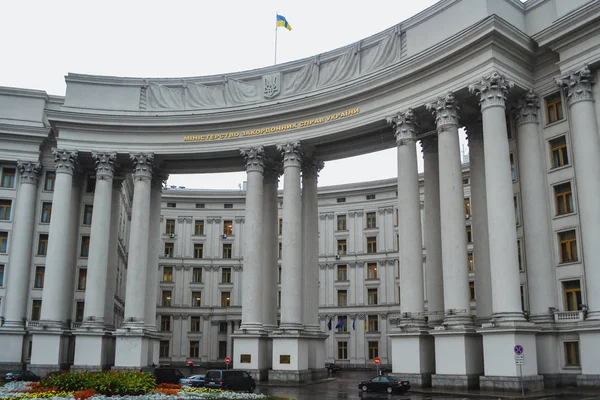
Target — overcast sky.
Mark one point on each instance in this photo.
(42, 41)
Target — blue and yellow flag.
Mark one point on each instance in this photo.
(281, 21)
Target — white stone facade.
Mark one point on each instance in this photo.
(407, 269)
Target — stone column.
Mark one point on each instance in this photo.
(536, 217)
(454, 240)
(111, 281)
(270, 243)
(433, 237)
(586, 151)
(504, 265)
(291, 259)
(253, 247)
(481, 247)
(17, 278)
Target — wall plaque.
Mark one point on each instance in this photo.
(245, 358)
(284, 359)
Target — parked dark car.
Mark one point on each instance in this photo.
(164, 374)
(26, 376)
(229, 379)
(193, 381)
(389, 384)
(331, 367)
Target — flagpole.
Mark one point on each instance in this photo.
(276, 38)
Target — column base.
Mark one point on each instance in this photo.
(588, 381)
(290, 357)
(290, 377)
(458, 358)
(417, 380)
(454, 381)
(316, 351)
(94, 350)
(252, 352)
(531, 383)
(50, 351)
(413, 355)
(13, 347)
(131, 349)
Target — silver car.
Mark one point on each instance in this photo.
(193, 381)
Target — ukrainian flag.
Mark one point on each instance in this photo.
(281, 21)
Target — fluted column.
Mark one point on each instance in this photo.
(97, 269)
(409, 220)
(270, 244)
(253, 247)
(310, 231)
(586, 154)
(291, 259)
(537, 228)
(433, 236)
(58, 258)
(137, 262)
(454, 240)
(504, 266)
(481, 244)
(17, 283)
(111, 281)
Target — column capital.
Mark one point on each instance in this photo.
(405, 127)
(445, 110)
(474, 130)
(527, 109)
(292, 154)
(491, 90)
(254, 158)
(429, 145)
(105, 164)
(273, 170)
(142, 165)
(65, 160)
(29, 171)
(311, 167)
(159, 179)
(577, 85)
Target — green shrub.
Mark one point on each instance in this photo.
(107, 383)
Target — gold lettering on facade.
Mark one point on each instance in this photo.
(271, 129)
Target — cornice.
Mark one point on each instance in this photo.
(31, 93)
(37, 130)
(427, 13)
(568, 24)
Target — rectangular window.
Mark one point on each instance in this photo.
(342, 297)
(87, 214)
(373, 323)
(46, 212)
(226, 250)
(170, 227)
(572, 295)
(40, 273)
(470, 262)
(79, 309)
(465, 181)
(36, 310)
(373, 350)
(169, 249)
(341, 222)
(563, 198)
(513, 167)
(340, 200)
(371, 270)
(222, 327)
(279, 250)
(171, 205)
(554, 110)
(341, 247)
(222, 349)
(199, 227)
(85, 246)
(342, 350)
(558, 152)
(342, 324)
(278, 301)
(278, 274)
(519, 256)
(42, 244)
(5, 208)
(572, 354)
(342, 272)
(197, 275)
(3, 242)
(469, 234)
(372, 244)
(195, 324)
(522, 289)
(198, 250)
(194, 349)
(280, 226)
(568, 246)
(8, 177)
(1, 274)
(164, 349)
(371, 220)
(225, 299)
(196, 299)
(516, 206)
(467, 204)
(227, 205)
(165, 323)
(370, 197)
(225, 275)
(82, 279)
(228, 227)
(200, 205)
(372, 296)
(472, 290)
(166, 298)
(49, 181)
(167, 274)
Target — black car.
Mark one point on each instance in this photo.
(229, 379)
(26, 376)
(331, 367)
(164, 374)
(387, 384)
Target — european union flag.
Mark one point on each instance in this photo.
(281, 21)
(354, 324)
(329, 324)
(340, 323)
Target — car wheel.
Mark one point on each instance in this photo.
(390, 390)
(364, 388)
(251, 389)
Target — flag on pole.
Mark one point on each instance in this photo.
(329, 324)
(354, 324)
(281, 21)
(340, 323)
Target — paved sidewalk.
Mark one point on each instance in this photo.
(541, 394)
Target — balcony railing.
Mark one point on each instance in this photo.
(568, 316)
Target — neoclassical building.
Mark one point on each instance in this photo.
(464, 276)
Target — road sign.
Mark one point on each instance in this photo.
(377, 361)
(227, 360)
(518, 349)
(519, 359)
